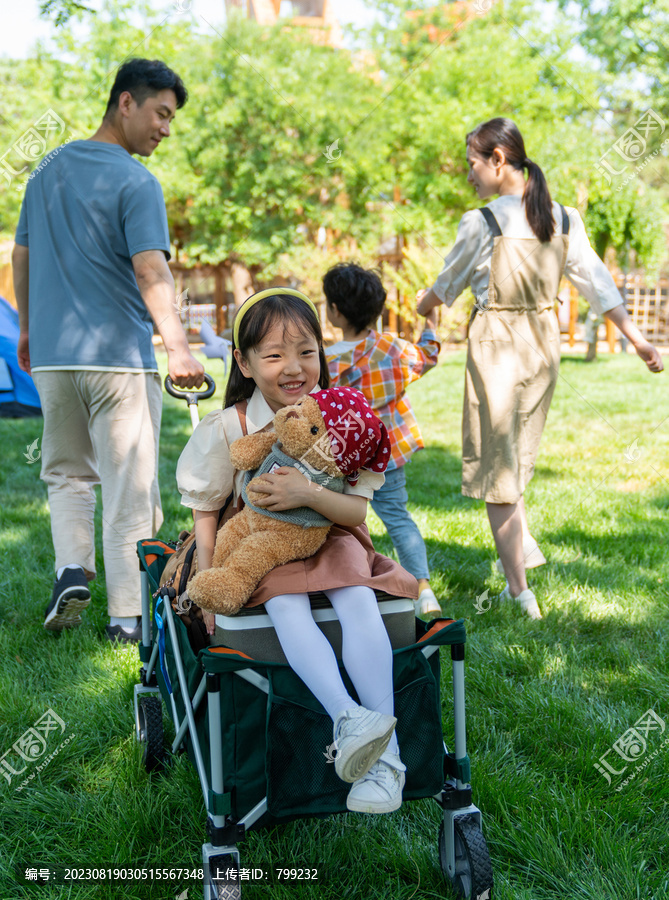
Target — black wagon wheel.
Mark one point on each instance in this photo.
(217, 886)
(473, 870)
(150, 726)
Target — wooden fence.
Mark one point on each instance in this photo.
(648, 306)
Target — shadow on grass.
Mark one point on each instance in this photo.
(434, 478)
(621, 567)
(582, 360)
(545, 472)
(633, 547)
(463, 566)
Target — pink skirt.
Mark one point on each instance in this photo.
(347, 558)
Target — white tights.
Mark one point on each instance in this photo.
(366, 650)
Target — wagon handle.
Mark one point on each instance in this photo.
(191, 396)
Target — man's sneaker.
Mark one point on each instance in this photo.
(360, 736)
(427, 604)
(118, 635)
(532, 556)
(380, 790)
(70, 596)
(526, 600)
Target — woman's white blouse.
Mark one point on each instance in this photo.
(205, 475)
(468, 263)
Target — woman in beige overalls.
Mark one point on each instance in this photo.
(513, 253)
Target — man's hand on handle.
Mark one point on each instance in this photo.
(184, 370)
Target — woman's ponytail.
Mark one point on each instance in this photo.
(504, 133)
(538, 203)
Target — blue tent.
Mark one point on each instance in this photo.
(18, 394)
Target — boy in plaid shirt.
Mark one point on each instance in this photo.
(382, 366)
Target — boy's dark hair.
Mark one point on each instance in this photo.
(282, 309)
(358, 293)
(145, 78)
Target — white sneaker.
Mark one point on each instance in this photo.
(427, 604)
(360, 737)
(531, 553)
(526, 600)
(380, 790)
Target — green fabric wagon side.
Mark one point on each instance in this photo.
(279, 744)
(263, 746)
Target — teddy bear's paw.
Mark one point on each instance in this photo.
(256, 497)
(254, 489)
(205, 589)
(198, 590)
(259, 484)
(213, 591)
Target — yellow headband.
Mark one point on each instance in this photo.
(268, 292)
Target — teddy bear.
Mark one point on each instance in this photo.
(328, 436)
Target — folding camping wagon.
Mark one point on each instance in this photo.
(252, 739)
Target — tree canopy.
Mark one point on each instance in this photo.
(284, 141)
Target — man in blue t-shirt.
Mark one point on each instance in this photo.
(91, 278)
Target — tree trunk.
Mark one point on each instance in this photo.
(242, 283)
(219, 298)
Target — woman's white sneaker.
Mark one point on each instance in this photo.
(532, 556)
(526, 600)
(380, 790)
(360, 737)
(528, 604)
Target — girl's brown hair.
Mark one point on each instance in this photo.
(504, 133)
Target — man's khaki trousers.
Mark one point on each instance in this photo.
(102, 428)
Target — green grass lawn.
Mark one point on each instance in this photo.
(545, 699)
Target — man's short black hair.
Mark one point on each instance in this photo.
(145, 78)
(357, 293)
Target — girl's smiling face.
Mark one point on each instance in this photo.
(285, 365)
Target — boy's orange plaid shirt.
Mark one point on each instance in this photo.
(382, 366)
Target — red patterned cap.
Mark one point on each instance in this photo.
(358, 438)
